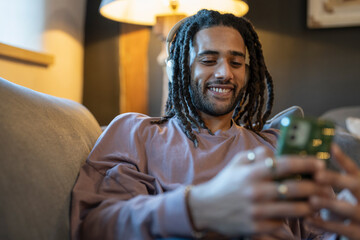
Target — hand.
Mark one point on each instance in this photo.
(344, 215)
(243, 198)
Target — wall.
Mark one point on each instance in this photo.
(155, 77)
(60, 32)
(115, 71)
(315, 69)
(101, 65)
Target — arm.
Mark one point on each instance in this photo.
(121, 205)
(115, 198)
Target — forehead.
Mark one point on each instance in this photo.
(219, 38)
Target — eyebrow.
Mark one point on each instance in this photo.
(236, 53)
(208, 52)
(212, 52)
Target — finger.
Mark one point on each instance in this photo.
(306, 188)
(343, 209)
(271, 210)
(344, 161)
(340, 181)
(290, 189)
(350, 230)
(286, 166)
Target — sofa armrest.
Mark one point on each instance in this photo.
(44, 140)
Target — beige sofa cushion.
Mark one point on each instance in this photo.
(43, 142)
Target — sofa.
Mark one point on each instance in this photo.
(44, 140)
(348, 139)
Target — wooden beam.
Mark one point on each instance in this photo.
(25, 55)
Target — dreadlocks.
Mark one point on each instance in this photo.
(249, 110)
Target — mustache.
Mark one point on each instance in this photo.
(220, 82)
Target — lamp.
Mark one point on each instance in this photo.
(162, 14)
(144, 12)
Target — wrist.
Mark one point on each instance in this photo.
(198, 231)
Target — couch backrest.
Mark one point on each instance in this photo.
(43, 142)
(340, 114)
(349, 143)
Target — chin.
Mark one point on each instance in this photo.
(219, 112)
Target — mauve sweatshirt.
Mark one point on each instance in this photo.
(132, 184)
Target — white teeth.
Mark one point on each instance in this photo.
(220, 90)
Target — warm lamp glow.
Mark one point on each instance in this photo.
(144, 12)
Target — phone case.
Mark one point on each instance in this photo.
(306, 136)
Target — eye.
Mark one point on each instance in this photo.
(236, 64)
(236, 61)
(208, 62)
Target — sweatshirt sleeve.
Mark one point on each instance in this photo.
(114, 199)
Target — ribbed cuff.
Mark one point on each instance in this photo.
(176, 220)
(196, 233)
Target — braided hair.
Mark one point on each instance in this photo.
(250, 111)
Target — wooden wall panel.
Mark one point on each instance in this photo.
(134, 41)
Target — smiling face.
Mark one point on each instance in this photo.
(217, 61)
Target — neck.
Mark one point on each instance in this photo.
(215, 123)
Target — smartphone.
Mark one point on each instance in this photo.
(306, 136)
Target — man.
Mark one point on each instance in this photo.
(206, 169)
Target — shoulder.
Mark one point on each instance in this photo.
(126, 135)
(130, 121)
(141, 126)
(271, 132)
(132, 118)
(271, 135)
(126, 126)
(267, 137)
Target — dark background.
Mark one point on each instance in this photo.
(317, 69)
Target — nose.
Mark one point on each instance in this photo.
(224, 71)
